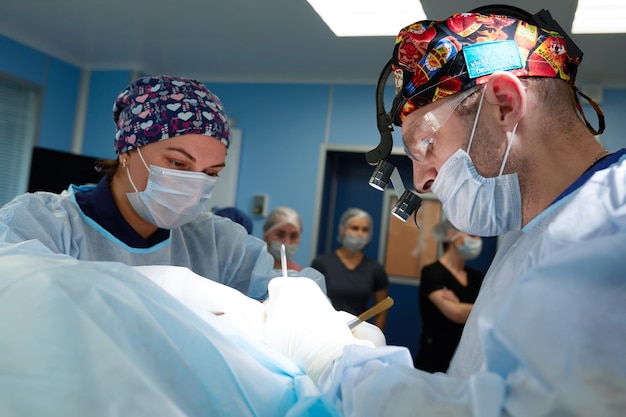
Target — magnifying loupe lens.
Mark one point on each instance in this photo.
(408, 204)
(382, 174)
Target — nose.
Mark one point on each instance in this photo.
(423, 176)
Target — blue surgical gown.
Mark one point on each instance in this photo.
(211, 246)
(591, 210)
(546, 336)
(100, 339)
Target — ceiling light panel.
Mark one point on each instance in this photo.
(600, 16)
(368, 17)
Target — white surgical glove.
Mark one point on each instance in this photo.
(303, 325)
(205, 296)
(365, 330)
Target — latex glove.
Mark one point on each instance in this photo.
(303, 325)
(205, 296)
(365, 330)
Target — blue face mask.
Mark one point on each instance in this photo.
(471, 248)
(475, 204)
(354, 243)
(172, 197)
(274, 249)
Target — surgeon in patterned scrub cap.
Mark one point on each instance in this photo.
(490, 120)
(172, 179)
(150, 208)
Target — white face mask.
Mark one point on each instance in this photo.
(274, 249)
(471, 248)
(354, 243)
(172, 197)
(475, 204)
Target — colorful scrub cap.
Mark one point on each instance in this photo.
(156, 108)
(433, 59)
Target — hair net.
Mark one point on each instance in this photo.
(156, 108)
(350, 214)
(441, 229)
(280, 216)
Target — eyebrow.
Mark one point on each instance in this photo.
(191, 157)
(184, 152)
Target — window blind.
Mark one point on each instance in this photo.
(19, 104)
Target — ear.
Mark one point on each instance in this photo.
(123, 159)
(506, 91)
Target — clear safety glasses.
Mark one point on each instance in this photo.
(420, 134)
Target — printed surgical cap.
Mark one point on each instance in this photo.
(433, 59)
(157, 108)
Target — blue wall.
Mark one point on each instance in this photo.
(284, 127)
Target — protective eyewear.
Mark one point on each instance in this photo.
(420, 134)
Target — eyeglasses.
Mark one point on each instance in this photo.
(420, 133)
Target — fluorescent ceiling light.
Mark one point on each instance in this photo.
(368, 17)
(600, 16)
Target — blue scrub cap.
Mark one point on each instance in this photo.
(156, 108)
(237, 216)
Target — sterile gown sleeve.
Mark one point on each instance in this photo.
(553, 347)
(211, 246)
(12, 233)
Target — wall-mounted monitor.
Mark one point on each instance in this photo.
(54, 171)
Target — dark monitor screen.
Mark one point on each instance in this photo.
(55, 170)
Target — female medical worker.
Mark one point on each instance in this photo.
(150, 207)
(283, 226)
(352, 278)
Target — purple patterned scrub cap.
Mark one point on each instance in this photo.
(157, 108)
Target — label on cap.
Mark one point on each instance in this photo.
(488, 57)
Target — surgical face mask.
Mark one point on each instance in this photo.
(474, 204)
(354, 243)
(172, 197)
(274, 249)
(471, 247)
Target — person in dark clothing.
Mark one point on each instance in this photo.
(351, 277)
(448, 289)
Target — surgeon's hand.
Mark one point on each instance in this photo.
(365, 330)
(206, 296)
(303, 325)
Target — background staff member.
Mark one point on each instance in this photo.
(447, 292)
(283, 226)
(352, 279)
